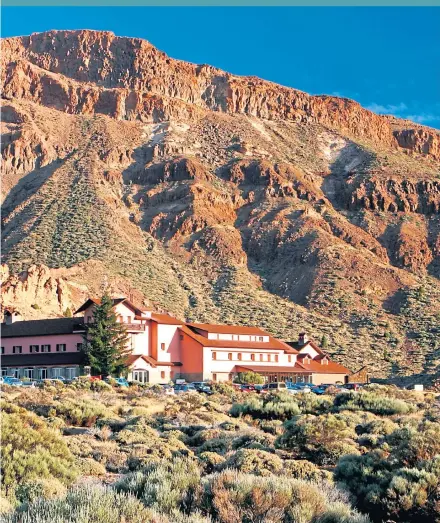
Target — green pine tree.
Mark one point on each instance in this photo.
(106, 340)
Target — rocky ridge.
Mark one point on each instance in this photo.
(220, 198)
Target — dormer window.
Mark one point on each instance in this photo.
(260, 338)
(252, 357)
(239, 356)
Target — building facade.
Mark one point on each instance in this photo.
(162, 349)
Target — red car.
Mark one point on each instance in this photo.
(247, 388)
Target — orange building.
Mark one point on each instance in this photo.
(163, 348)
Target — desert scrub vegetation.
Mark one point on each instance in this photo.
(136, 455)
(31, 451)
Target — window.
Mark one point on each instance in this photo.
(61, 347)
(45, 348)
(289, 358)
(33, 348)
(230, 356)
(239, 356)
(89, 319)
(79, 346)
(162, 374)
(162, 346)
(3, 350)
(261, 357)
(29, 373)
(269, 357)
(253, 357)
(214, 377)
(276, 357)
(181, 337)
(260, 338)
(214, 355)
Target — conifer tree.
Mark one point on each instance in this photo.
(105, 340)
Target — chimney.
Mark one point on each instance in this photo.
(11, 317)
(302, 338)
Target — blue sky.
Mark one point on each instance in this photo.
(385, 58)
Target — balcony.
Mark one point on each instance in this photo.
(134, 327)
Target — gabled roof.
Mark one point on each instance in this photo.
(154, 363)
(42, 327)
(299, 346)
(273, 343)
(116, 301)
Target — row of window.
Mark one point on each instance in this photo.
(253, 357)
(236, 337)
(60, 347)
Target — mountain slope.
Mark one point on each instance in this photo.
(222, 198)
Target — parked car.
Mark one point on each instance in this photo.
(202, 386)
(299, 387)
(320, 389)
(183, 388)
(168, 390)
(30, 383)
(119, 382)
(247, 388)
(353, 386)
(13, 382)
(273, 387)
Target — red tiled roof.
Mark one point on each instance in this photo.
(273, 343)
(228, 329)
(165, 318)
(148, 359)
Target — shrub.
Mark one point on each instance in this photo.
(90, 467)
(372, 403)
(86, 504)
(387, 491)
(323, 439)
(259, 462)
(47, 488)
(30, 450)
(231, 497)
(211, 461)
(81, 412)
(101, 386)
(305, 470)
(166, 486)
(255, 439)
(276, 406)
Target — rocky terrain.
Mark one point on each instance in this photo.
(218, 198)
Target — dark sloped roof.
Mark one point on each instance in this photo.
(45, 358)
(42, 327)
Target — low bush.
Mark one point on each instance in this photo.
(211, 461)
(276, 406)
(87, 504)
(166, 486)
(368, 401)
(47, 488)
(231, 497)
(257, 461)
(90, 467)
(30, 450)
(305, 470)
(81, 412)
(322, 439)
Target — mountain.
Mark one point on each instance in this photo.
(218, 198)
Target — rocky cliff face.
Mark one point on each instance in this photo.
(218, 198)
(96, 72)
